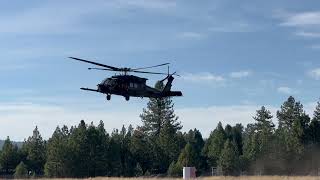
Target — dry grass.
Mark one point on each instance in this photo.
(213, 178)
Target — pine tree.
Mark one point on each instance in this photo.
(57, 155)
(21, 171)
(237, 132)
(141, 149)
(168, 148)
(214, 145)
(9, 156)
(79, 146)
(229, 160)
(138, 172)
(159, 110)
(315, 126)
(127, 160)
(316, 114)
(188, 157)
(259, 142)
(97, 150)
(194, 138)
(161, 126)
(251, 148)
(102, 155)
(115, 166)
(36, 152)
(175, 169)
(292, 132)
(265, 129)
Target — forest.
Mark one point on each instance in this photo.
(158, 148)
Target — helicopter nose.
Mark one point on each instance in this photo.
(99, 87)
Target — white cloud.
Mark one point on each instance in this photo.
(190, 35)
(308, 34)
(240, 74)
(302, 19)
(306, 24)
(147, 4)
(57, 18)
(315, 46)
(315, 73)
(202, 77)
(232, 27)
(286, 90)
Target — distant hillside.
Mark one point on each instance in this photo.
(17, 143)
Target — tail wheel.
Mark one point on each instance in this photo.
(108, 97)
(127, 98)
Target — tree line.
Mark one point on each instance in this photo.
(159, 148)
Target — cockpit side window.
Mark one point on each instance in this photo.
(105, 82)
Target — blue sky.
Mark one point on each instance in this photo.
(234, 56)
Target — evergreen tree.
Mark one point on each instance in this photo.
(229, 160)
(251, 148)
(292, 131)
(175, 169)
(159, 110)
(214, 145)
(36, 152)
(169, 149)
(315, 126)
(102, 155)
(9, 158)
(57, 154)
(188, 157)
(97, 150)
(79, 146)
(259, 142)
(141, 149)
(161, 126)
(236, 137)
(138, 172)
(127, 160)
(265, 130)
(115, 166)
(194, 138)
(21, 171)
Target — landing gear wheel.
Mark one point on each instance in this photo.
(108, 97)
(127, 98)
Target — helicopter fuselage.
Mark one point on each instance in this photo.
(131, 86)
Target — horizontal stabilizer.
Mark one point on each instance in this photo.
(87, 89)
(172, 93)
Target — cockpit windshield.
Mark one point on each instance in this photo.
(109, 82)
(105, 81)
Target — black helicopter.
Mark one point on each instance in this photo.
(131, 86)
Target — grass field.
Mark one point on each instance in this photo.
(214, 178)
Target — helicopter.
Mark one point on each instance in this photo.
(129, 85)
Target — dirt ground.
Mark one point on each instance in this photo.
(213, 178)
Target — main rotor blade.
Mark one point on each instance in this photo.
(146, 72)
(95, 63)
(151, 66)
(103, 69)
